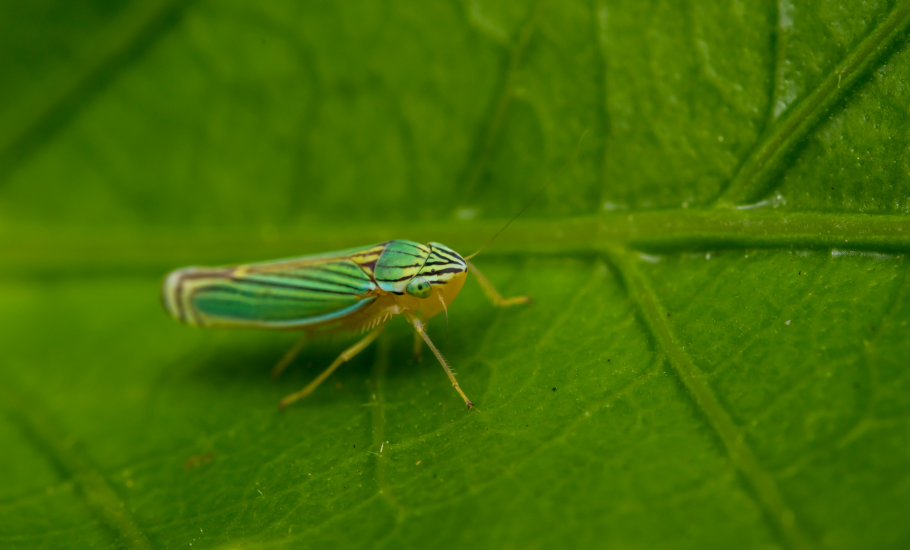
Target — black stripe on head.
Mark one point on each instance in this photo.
(448, 256)
(449, 270)
(444, 272)
(445, 262)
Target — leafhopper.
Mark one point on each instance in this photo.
(356, 290)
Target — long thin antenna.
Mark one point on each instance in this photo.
(535, 197)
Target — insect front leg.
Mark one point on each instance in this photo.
(346, 355)
(289, 356)
(494, 294)
(421, 330)
(418, 346)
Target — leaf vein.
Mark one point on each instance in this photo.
(95, 490)
(138, 26)
(766, 159)
(765, 489)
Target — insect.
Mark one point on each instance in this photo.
(350, 290)
(346, 291)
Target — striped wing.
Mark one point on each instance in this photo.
(282, 294)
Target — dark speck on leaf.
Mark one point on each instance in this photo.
(554, 388)
(198, 460)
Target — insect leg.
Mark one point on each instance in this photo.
(289, 356)
(418, 345)
(346, 355)
(419, 327)
(494, 294)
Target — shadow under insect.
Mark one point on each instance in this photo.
(242, 361)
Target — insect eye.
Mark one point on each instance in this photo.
(419, 288)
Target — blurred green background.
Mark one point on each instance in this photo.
(717, 353)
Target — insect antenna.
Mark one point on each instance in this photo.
(536, 196)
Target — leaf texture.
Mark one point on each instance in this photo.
(717, 350)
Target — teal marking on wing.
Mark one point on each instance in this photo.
(232, 309)
(266, 295)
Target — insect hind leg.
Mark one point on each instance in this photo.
(346, 355)
(289, 357)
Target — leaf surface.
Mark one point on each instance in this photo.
(717, 349)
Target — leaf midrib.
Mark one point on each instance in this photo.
(665, 231)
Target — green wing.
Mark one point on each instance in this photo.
(282, 294)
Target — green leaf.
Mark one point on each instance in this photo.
(717, 351)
